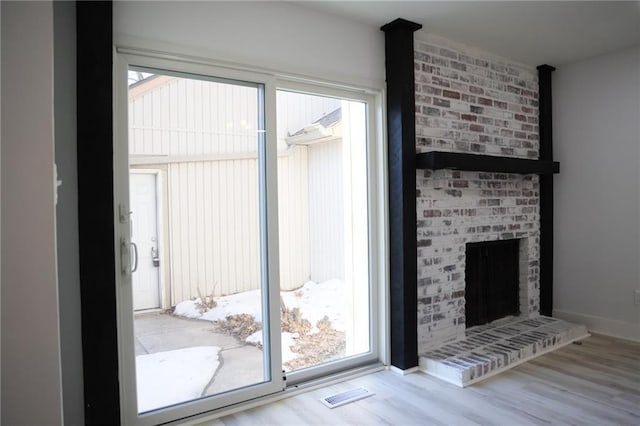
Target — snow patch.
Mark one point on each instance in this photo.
(247, 302)
(188, 309)
(314, 300)
(171, 377)
(317, 300)
(255, 338)
(288, 342)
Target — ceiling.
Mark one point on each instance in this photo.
(534, 33)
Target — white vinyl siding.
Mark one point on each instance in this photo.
(209, 153)
(326, 211)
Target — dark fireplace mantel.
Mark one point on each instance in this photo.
(437, 160)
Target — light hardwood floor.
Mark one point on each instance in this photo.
(596, 383)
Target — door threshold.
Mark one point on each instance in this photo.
(286, 393)
(148, 311)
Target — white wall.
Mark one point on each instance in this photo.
(67, 210)
(596, 106)
(269, 35)
(31, 377)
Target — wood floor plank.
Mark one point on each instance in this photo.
(596, 383)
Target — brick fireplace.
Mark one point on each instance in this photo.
(470, 161)
(470, 102)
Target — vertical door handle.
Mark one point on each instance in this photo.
(135, 257)
(125, 257)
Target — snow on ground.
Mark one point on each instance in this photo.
(171, 377)
(247, 302)
(315, 301)
(287, 343)
(287, 340)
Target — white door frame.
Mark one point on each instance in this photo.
(269, 250)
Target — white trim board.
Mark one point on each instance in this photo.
(606, 326)
(402, 372)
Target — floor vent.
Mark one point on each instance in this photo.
(346, 397)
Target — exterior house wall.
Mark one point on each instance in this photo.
(209, 152)
(203, 144)
(326, 207)
(471, 102)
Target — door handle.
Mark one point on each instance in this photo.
(135, 257)
(155, 257)
(125, 257)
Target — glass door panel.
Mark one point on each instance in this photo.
(239, 258)
(197, 224)
(323, 216)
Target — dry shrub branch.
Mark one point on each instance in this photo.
(312, 348)
(241, 326)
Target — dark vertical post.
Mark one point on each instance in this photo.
(401, 130)
(96, 212)
(546, 191)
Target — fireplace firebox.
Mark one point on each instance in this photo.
(491, 281)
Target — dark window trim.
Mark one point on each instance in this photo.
(95, 211)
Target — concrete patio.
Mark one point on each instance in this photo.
(240, 364)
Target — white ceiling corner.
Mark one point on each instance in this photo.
(530, 32)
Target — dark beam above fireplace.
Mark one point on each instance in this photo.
(436, 160)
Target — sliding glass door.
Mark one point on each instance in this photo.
(245, 231)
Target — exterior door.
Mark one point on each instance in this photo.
(144, 241)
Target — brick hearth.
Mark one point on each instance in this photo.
(489, 349)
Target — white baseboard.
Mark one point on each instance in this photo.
(403, 372)
(606, 326)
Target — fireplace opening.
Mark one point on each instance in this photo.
(491, 281)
